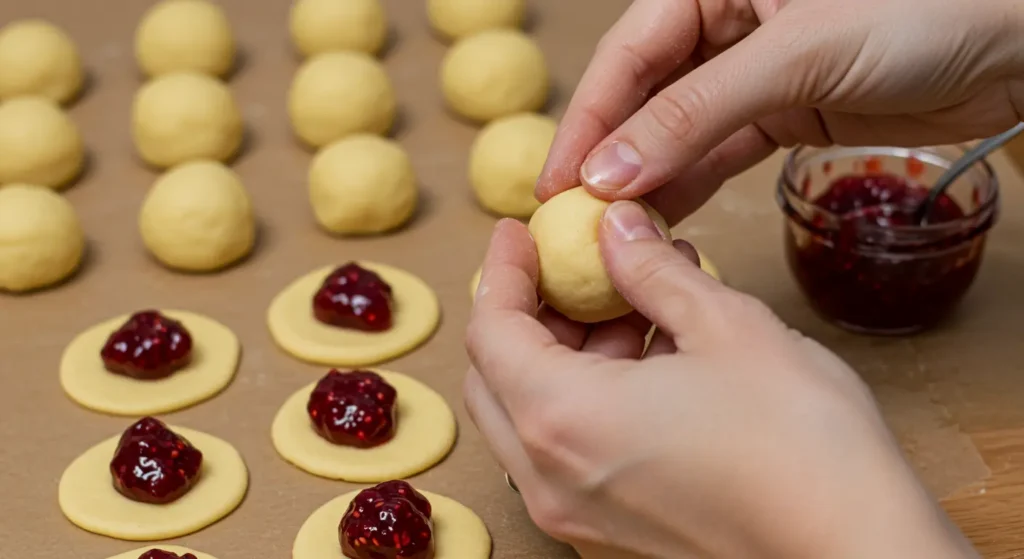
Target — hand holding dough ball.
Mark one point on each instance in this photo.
(363, 184)
(455, 19)
(494, 74)
(185, 116)
(506, 160)
(39, 144)
(41, 240)
(573, 278)
(185, 36)
(319, 26)
(338, 94)
(38, 58)
(197, 218)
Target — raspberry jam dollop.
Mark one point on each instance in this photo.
(388, 521)
(153, 464)
(161, 554)
(354, 297)
(148, 346)
(354, 408)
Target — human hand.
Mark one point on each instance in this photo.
(687, 93)
(731, 437)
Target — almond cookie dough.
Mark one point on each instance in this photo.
(493, 74)
(425, 432)
(319, 26)
(41, 239)
(215, 355)
(89, 500)
(454, 19)
(416, 314)
(39, 142)
(176, 549)
(38, 58)
(185, 36)
(458, 531)
(505, 161)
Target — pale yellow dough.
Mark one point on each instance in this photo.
(88, 498)
(39, 143)
(215, 351)
(185, 36)
(505, 161)
(172, 548)
(319, 26)
(458, 18)
(39, 58)
(41, 239)
(458, 531)
(415, 315)
(425, 434)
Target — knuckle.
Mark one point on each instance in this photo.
(550, 513)
(546, 430)
(674, 114)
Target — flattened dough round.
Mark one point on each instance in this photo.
(134, 554)
(426, 433)
(215, 351)
(415, 317)
(458, 531)
(88, 498)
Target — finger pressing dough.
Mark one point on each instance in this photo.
(185, 36)
(215, 353)
(38, 58)
(177, 549)
(39, 144)
(89, 500)
(319, 26)
(362, 184)
(493, 74)
(340, 93)
(454, 19)
(458, 531)
(425, 433)
(41, 239)
(185, 116)
(573, 279)
(505, 161)
(415, 316)
(197, 217)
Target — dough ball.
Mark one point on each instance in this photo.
(338, 94)
(319, 26)
(185, 116)
(573, 278)
(198, 218)
(362, 184)
(38, 58)
(506, 160)
(39, 143)
(41, 240)
(185, 36)
(493, 74)
(458, 18)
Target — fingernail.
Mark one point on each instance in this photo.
(613, 167)
(630, 222)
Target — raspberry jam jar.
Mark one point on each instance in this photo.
(854, 248)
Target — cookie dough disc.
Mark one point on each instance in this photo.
(426, 433)
(416, 314)
(172, 548)
(215, 351)
(458, 531)
(88, 498)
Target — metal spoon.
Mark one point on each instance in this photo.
(979, 152)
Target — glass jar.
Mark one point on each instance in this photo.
(856, 253)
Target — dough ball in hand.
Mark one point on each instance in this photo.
(362, 184)
(39, 143)
(506, 160)
(185, 116)
(185, 36)
(340, 93)
(493, 74)
(573, 278)
(319, 26)
(198, 218)
(38, 58)
(458, 18)
(41, 240)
